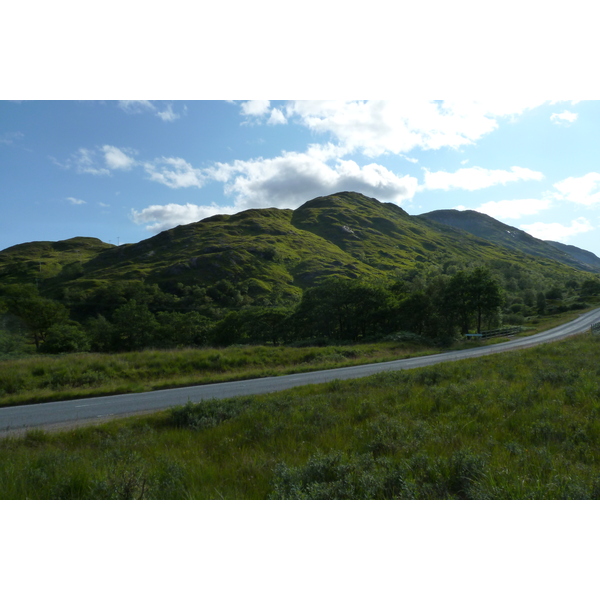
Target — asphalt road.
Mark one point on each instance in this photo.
(73, 413)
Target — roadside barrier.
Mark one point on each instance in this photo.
(595, 328)
(484, 335)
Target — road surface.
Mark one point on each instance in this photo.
(73, 413)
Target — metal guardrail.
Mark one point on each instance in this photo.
(484, 335)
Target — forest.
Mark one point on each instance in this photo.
(437, 304)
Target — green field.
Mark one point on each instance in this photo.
(518, 425)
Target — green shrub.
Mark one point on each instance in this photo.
(65, 337)
(208, 413)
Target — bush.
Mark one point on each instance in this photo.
(408, 336)
(207, 414)
(328, 477)
(514, 319)
(65, 337)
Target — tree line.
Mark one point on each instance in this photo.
(127, 316)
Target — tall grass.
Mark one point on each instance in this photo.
(48, 378)
(520, 425)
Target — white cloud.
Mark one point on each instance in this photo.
(292, 178)
(167, 114)
(513, 209)
(167, 216)
(476, 178)
(283, 182)
(260, 111)
(376, 127)
(174, 173)
(255, 108)
(84, 161)
(580, 190)
(558, 232)
(565, 117)
(75, 200)
(277, 118)
(116, 158)
(138, 106)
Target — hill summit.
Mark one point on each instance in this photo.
(271, 255)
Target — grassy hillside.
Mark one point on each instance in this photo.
(48, 261)
(582, 256)
(275, 253)
(484, 226)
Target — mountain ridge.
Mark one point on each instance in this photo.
(276, 253)
(486, 227)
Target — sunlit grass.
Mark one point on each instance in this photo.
(522, 425)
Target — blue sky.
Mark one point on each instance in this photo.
(122, 171)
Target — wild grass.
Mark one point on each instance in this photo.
(48, 378)
(44, 378)
(520, 425)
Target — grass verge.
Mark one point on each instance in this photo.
(42, 378)
(520, 425)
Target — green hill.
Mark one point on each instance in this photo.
(45, 261)
(273, 252)
(490, 229)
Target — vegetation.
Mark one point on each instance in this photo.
(484, 226)
(341, 280)
(439, 304)
(268, 257)
(420, 308)
(48, 378)
(520, 425)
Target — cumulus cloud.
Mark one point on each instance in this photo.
(260, 111)
(564, 118)
(294, 177)
(277, 118)
(513, 209)
(580, 190)
(558, 232)
(161, 217)
(476, 178)
(75, 200)
(282, 182)
(376, 127)
(174, 173)
(255, 108)
(117, 158)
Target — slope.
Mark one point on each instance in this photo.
(271, 255)
(582, 256)
(490, 229)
